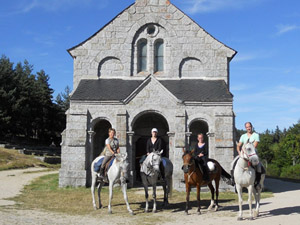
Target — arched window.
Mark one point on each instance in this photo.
(159, 56)
(142, 55)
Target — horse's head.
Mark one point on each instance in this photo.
(155, 160)
(249, 153)
(187, 160)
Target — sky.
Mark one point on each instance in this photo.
(264, 75)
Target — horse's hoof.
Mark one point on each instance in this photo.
(239, 218)
(146, 211)
(216, 208)
(186, 213)
(251, 218)
(199, 213)
(131, 213)
(154, 211)
(100, 206)
(110, 212)
(209, 208)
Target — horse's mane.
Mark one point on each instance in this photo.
(186, 153)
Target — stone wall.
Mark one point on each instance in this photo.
(189, 50)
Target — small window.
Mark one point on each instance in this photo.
(159, 56)
(142, 56)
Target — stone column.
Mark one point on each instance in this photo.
(188, 137)
(131, 158)
(121, 129)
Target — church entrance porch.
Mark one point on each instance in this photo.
(142, 127)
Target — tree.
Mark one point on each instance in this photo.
(264, 147)
(7, 95)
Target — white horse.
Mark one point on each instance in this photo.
(117, 173)
(149, 174)
(244, 176)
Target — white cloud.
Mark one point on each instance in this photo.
(258, 54)
(26, 6)
(286, 28)
(202, 6)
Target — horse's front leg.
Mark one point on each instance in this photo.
(99, 196)
(250, 192)
(93, 191)
(154, 197)
(124, 189)
(198, 199)
(110, 196)
(145, 183)
(188, 190)
(239, 191)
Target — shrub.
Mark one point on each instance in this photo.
(292, 172)
(273, 170)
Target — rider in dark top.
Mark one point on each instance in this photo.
(201, 156)
(154, 144)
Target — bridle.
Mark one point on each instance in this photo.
(188, 165)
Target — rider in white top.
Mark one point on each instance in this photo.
(254, 138)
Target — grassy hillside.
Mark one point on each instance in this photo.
(12, 159)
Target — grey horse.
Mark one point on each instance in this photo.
(150, 173)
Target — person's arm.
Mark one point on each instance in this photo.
(148, 146)
(204, 152)
(118, 149)
(238, 147)
(256, 141)
(159, 144)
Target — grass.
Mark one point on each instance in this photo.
(12, 159)
(44, 193)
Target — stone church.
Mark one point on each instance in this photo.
(151, 66)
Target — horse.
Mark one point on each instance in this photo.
(117, 173)
(194, 177)
(149, 173)
(244, 175)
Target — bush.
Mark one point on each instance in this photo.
(292, 172)
(273, 170)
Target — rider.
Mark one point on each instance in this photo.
(111, 148)
(153, 144)
(253, 137)
(201, 156)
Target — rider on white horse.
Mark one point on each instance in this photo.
(111, 148)
(252, 137)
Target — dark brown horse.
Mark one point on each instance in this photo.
(194, 178)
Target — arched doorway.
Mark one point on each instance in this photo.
(100, 128)
(196, 127)
(142, 132)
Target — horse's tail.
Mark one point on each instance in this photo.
(225, 176)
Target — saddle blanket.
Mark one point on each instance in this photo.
(98, 164)
(164, 161)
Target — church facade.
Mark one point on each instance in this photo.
(151, 66)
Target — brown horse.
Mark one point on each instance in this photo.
(194, 177)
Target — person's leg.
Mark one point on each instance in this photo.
(162, 170)
(205, 168)
(257, 175)
(142, 159)
(105, 160)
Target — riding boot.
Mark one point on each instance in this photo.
(232, 177)
(101, 173)
(205, 173)
(257, 179)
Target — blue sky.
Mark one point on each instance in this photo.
(265, 74)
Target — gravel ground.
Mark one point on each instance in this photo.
(283, 208)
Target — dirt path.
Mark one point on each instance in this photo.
(13, 181)
(283, 208)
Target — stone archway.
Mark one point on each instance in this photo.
(142, 132)
(100, 133)
(196, 127)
